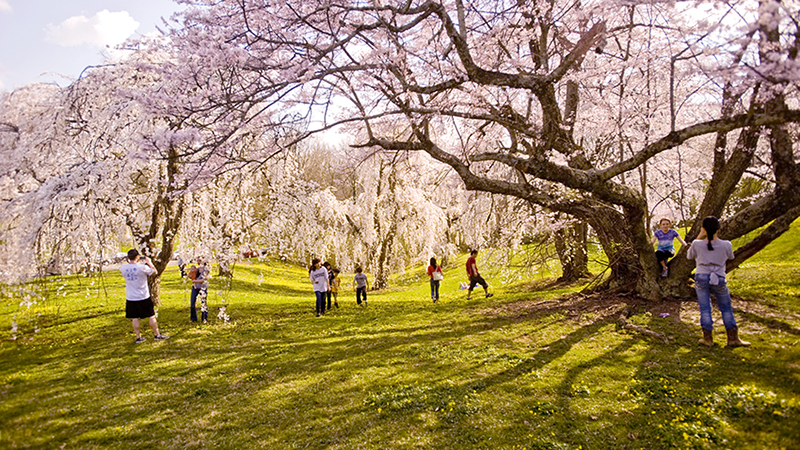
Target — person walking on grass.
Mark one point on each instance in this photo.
(665, 236)
(711, 255)
(199, 276)
(361, 283)
(335, 283)
(435, 273)
(139, 303)
(319, 279)
(475, 277)
(329, 294)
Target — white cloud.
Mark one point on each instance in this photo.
(103, 29)
(5, 6)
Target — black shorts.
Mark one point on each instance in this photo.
(141, 309)
(475, 280)
(662, 255)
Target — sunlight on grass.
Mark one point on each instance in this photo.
(526, 369)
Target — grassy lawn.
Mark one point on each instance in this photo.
(537, 366)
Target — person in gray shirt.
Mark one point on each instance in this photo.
(711, 255)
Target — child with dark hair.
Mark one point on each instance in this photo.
(665, 236)
(361, 283)
(711, 255)
(475, 277)
(328, 295)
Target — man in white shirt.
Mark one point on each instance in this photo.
(139, 304)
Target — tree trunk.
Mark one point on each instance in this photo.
(154, 284)
(387, 238)
(571, 248)
(158, 241)
(631, 262)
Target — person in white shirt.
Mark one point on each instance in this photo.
(139, 304)
(319, 279)
(711, 255)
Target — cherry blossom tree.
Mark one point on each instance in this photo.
(514, 97)
(112, 173)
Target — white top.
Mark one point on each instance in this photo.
(135, 275)
(361, 280)
(319, 278)
(708, 261)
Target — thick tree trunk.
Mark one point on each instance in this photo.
(631, 262)
(570, 244)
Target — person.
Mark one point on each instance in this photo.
(182, 265)
(475, 277)
(335, 283)
(710, 255)
(435, 273)
(665, 236)
(319, 279)
(361, 284)
(139, 303)
(199, 276)
(329, 294)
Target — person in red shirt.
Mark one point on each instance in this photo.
(475, 278)
(435, 273)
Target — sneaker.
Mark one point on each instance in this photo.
(469, 298)
(489, 294)
(665, 272)
(318, 314)
(336, 305)
(161, 337)
(140, 340)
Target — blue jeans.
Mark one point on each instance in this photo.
(203, 294)
(320, 301)
(359, 292)
(704, 290)
(435, 289)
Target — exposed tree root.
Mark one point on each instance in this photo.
(623, 320)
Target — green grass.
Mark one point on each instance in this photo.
(534, 367)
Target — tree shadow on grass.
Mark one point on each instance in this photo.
(264, 369)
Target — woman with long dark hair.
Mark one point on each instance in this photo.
(435, 273)
(711, 255)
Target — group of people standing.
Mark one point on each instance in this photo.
(327, 283)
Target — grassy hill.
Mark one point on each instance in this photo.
(537, 366)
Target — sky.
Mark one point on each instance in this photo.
(52, 41)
